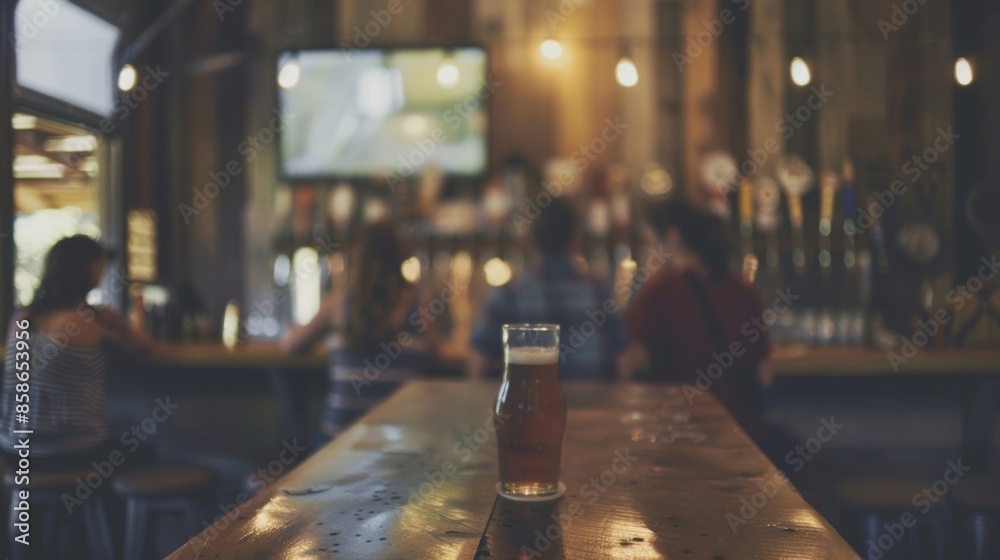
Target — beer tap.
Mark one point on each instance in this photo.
(750, 263)
(850, 324)
(720, 175)
(828, 188)
(768, 219)
(878, 238)
(797, 178)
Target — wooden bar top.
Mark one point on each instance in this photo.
(789, 361)
(648, 476)
(213, 355)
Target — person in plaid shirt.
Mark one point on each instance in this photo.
(592, 339)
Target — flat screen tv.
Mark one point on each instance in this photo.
(363, 113)
(66, 53)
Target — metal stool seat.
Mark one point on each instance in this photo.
(977, 507)
(883, 521)
(63, 523)
(159, 491)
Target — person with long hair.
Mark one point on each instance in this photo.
(694, 319)
(382, 340)
(69, 340)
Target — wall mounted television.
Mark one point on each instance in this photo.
(66, 53)
(354, 114)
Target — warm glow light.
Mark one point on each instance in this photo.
(461, 264)
(288, 76)
(411, 270)
(82, 143)
(626, 73)
(447, 74)
(799, 70)
(305, 284)
(231, 325)
(37, 167)
(655, 180)
(551, 49)
(23, 122)
(342, 204)
(963, 72)
(337, 263)
(497, 272)
(127, 77)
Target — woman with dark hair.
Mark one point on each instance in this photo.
(383, 340)
(68, 342)
(698, 322)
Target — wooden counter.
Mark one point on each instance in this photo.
(648, 476)
(839, 361)
(254, 355)
(850, 361)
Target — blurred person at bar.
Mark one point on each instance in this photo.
(556, 290)
(70, 342)
(693, 320)
(382, 339)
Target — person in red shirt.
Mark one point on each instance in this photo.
(697, 322)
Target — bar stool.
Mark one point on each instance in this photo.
(161, 490)
(872, 504)
(977, 510)
(56, 532)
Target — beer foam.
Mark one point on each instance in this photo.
(533, 355)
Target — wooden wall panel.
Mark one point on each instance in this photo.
(700, 97)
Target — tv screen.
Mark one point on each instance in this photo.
(360, 113)
(65, 52)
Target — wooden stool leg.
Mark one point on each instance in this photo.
(136, 526)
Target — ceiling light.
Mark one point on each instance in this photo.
(411, 270)
(127, 77)
(626, 73)
(799, 71)
(551, 49)
(288, 76)
(448, 74)
(963, 72)
(497, 272)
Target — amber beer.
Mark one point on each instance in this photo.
(530, 412)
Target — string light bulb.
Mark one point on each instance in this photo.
(551, 49)
(626, 74)
(127, 78)
(799, 70)
(289, 74)
(448, 74)
(963, 72)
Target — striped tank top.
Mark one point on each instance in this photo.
(357, 381)
(66, 397)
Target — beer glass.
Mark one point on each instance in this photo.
(530, 413)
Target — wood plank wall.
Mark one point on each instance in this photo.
(545, 109)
